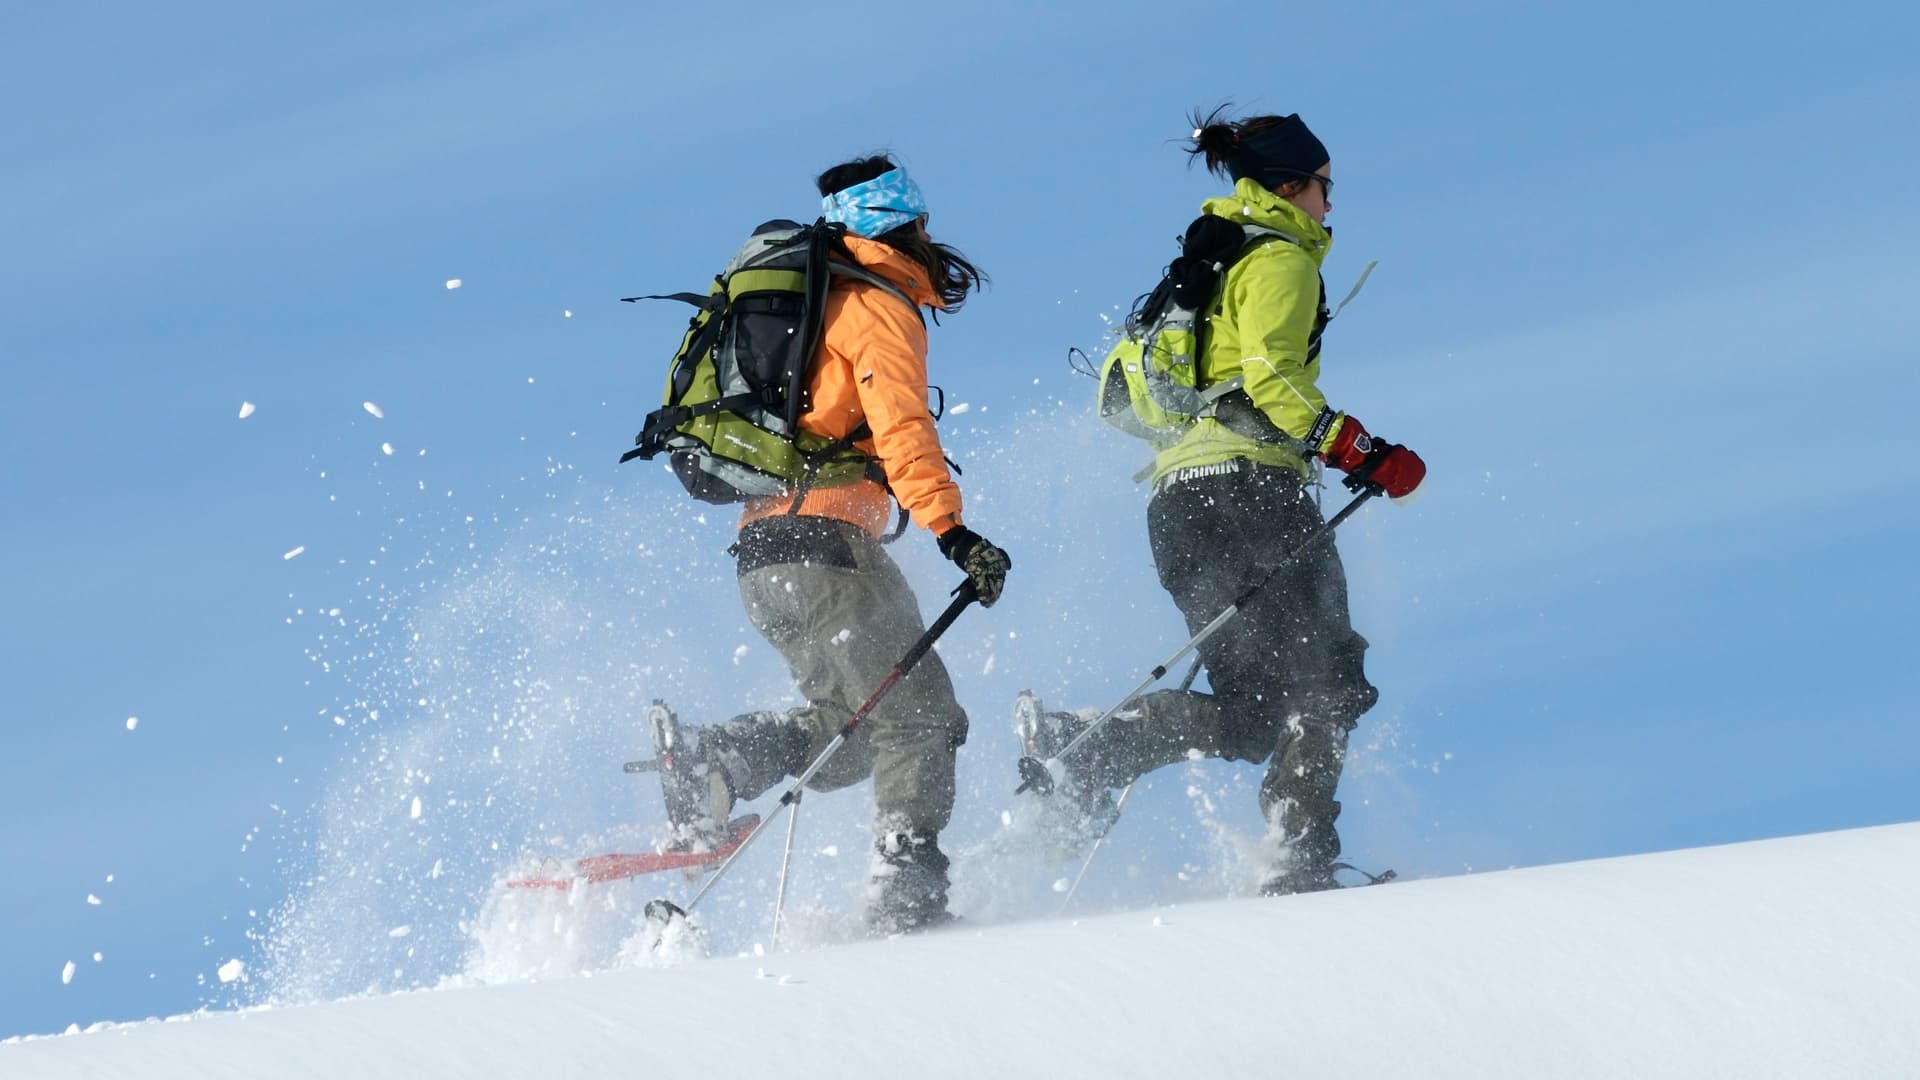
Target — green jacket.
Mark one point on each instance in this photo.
(1265, 317)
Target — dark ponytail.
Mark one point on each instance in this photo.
(949, 273)
(1215, 140)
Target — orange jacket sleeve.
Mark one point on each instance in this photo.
(886, 344)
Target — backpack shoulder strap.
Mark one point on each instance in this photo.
(860, 273)
(1257, 236)
(1254, 237)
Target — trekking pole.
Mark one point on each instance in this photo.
(664, 910)
(1034, 772)
(786, 860)
(1119, 806)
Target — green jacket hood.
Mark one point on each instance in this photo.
(1253, 204)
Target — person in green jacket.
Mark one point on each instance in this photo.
(1232, 497)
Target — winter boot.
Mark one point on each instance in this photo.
(1296, 796)
(1078, 812)
(1304, 845)
(907, 889)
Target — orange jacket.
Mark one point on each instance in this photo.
(873, 367)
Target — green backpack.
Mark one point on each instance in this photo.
(737, 385)
(1149, 383)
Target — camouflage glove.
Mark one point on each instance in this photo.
(986, 565)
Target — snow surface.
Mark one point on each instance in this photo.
(1780, 958)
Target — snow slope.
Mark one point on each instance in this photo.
(1797, 957)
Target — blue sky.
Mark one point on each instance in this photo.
(1644, 304)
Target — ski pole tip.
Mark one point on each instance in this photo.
(664, 911)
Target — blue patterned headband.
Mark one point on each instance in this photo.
(880, 205)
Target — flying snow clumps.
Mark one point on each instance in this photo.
(739, 653)
(231, 970)
(374, 410)
(295, 553)
(92, 900)
(66, 974)
(246, 409)
(414, 811)
(386, 448)
(132, 722)
(453, 283)
(961, 408)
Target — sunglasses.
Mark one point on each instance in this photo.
(1326, 184)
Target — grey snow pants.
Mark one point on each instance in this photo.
(827, 596)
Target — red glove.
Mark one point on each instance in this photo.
(1369, 461)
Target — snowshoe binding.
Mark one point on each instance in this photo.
(1319, 877)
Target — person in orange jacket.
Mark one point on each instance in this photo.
(817, 584)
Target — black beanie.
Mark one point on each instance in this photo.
(1274, 155)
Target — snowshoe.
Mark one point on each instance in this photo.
(1319, 878)
(1076, 813)
(564, 874)
(698, 793)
